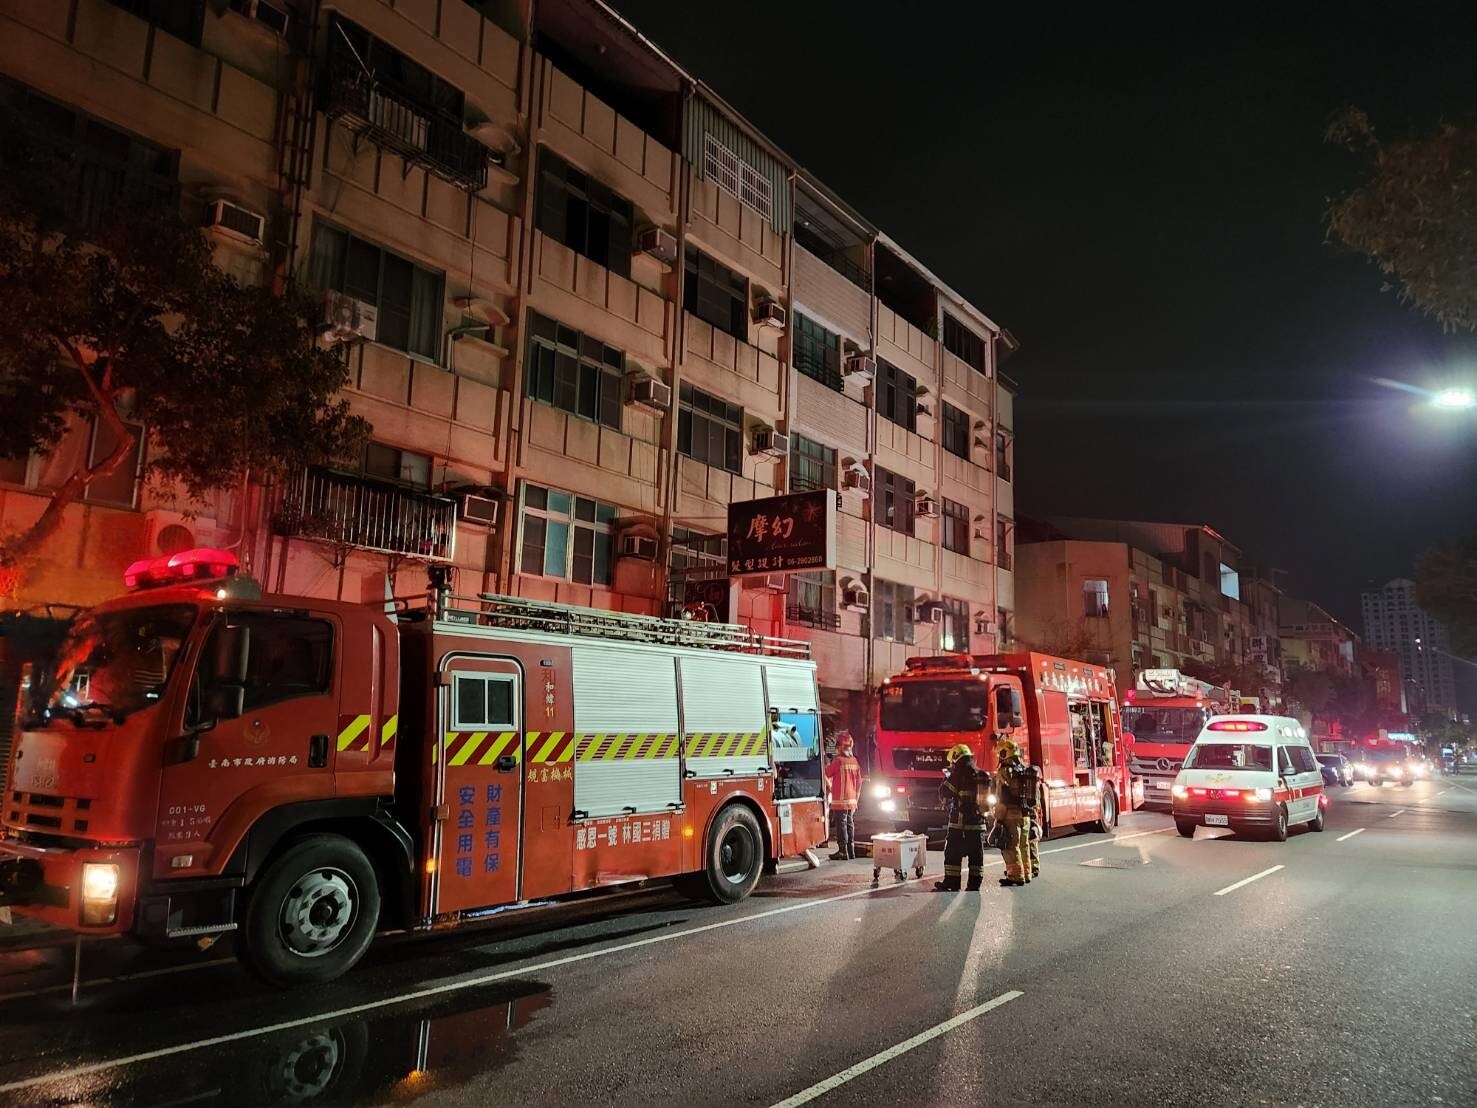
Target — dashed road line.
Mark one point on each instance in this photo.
(1400, 812)
(821, 1088)
(1248, 880)
(1350, 835)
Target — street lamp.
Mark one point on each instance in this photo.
(1454, 400)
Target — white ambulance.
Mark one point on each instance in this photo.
(1249, 772)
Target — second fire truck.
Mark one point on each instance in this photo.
(205, 759)
(1063, 713)
(1165, 714)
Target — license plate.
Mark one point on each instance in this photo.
(1161, 784)
(1217, 821)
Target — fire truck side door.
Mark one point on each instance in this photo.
(268, 683)
(479, 782)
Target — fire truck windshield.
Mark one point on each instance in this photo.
(118, 662)
(934, 706)
(1151, 724)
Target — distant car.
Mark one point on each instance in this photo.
(1337, 770)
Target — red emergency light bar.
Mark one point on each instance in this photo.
(203, 563)
(1237, 725)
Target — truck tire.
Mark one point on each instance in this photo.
(312, 913)
(1279, 825)
(1109, 819)
(735, 851)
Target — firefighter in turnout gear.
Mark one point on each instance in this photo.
(844, 789)
(966, 839)
(1018, 787)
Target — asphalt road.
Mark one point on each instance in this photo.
(1336, 968)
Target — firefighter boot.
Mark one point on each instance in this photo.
(950, 883)
(976, 879)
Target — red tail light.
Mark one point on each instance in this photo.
(1237, 725)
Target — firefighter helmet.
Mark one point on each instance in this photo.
(1007, 749)
(844, 742)
(958, 752)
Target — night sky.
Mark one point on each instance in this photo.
(1141, 204)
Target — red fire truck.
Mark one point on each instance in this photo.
(206, 759)
(1064, 713)
(1165, 714)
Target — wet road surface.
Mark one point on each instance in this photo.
(1335, 968)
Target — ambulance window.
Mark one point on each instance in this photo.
(482, 701)
(1284, 762)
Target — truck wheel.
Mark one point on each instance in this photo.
(735, 855)
(1109, 818)
(1185, 827)
(1279, 825)
(312, 913)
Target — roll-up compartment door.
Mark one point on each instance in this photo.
(724, 722)
(626, 732)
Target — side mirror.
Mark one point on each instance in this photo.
(1017, 721)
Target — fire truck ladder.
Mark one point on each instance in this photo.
(514, 613)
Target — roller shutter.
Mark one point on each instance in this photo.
(725, 725)
(625, 719)
(791, 687)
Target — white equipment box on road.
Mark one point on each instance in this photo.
(899, 851)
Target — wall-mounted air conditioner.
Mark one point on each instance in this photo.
(642, 547)
(923, 409)
(348, 320)
(929, 611)
(770, 582)
(982, 528)
(650, 393)
(925, 507)
(232, 221)
(861, 367)
(983, 624)
(857, 478)
(657, 243)
(474, 507)
(770, 314)
(854, 595)
(776, 444)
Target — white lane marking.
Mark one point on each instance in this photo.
(1400, 812)
(821, 1088)
(1350, 835)
(1248, 880)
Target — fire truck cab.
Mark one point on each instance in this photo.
(1064, 714)
(1165, 713)
(204, 759)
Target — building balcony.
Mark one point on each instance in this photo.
(361, 513)
(394, 120)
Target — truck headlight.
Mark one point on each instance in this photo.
(888, 806)
(881, 792)
(99, 893)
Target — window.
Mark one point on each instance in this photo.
(566, 536)
(710, 430)
(584, 215)
(408, 299)
(184, 19)
(1153, 608)
(892, 496)
(956, 431)
(119, 488)
(287, 657)
(694, 550)
(1003, 528)
(1230, 582)
(892, 606)
(812, 600)
(390, 463)
(1003, 450)
(716, 294)
(1004, 632)
(897, 395)
(812, 466)
(105, 168)
(1095, 597)
(400, 73)
(954, 631)
(816, 352)
(963, 343)
(956, 527)
(573, 372)
(737, 177)
(482, 702)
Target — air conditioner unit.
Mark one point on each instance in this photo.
(346, 319)
(650, 393)
(642, 547)
(476, 508)
(923, 409)
(167, 532)
(983, 625)
(982, 528)
(770, 314)
(774, 443)
(272, 14)
(658, 244)
(861, 367)
(925, 507)
(856, 597)
(232, 221)
(770, 582)
(856, 477)
(929, 611)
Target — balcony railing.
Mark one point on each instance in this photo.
(822, 619)
(396, 121)
(366, 514)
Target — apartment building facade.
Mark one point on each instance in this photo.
(1395, 623)
(1138, 595)
(583, 303)
(1313, 639)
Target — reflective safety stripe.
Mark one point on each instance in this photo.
(483, 748)
(351, 728)
(726, 744)
(388, 731)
